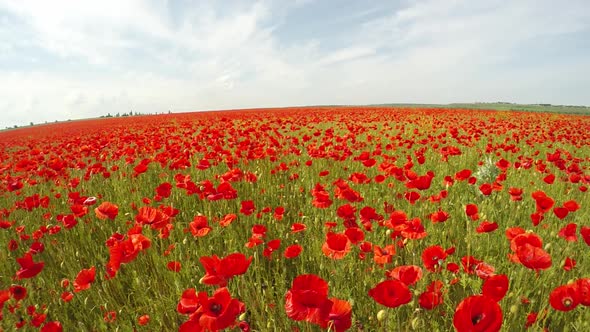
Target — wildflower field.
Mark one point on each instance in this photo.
(298, 219)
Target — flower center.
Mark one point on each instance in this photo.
(476, 319)
(215, 308)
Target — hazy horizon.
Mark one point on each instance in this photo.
(64, 60)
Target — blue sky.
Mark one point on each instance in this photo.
(76, 59)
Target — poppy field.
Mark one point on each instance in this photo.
(298, 219)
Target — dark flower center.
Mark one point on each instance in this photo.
(215, 308)
(476, 319)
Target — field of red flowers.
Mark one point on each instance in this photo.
(299, 219)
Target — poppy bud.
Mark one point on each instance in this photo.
(381, 315)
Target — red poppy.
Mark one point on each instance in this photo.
(189, 302)
(247, 208)
(293, 251)
(408, 274)
(496, 287)
(478, 313)
(469, 264)
(336, 246)
(560, 212)
(143, 320)
(571, 206)
(471, 211)
(486, 227)
(227, 219)
(564, 297)
(218, 311)
(484, 270)
(526, 238)
(585, 232)
(354, 234)
(54, 326)
(308, 299)
(549, 179)
(569, 264)
(321, 198)
(534, 258)
(298, 227)
(28, 268)
(433, 258)
(199, 227)
(106, 210)
(391, 293)
(432, 297)
(174, 266)
(339, 318)
(515, 194)
(463, 175)
(583, 285)
(17, 292)
(543, 202)
(219, 271)
(383, 255)
(439, 216)
(164, 190)
(568, 232)
(84, 279)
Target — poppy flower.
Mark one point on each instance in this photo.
(477, 313)
(383, 255)
(84, 279)
(486, 227)
(439, 216)
(164, 190)
(471, 211)
(199, 227)
(174, 266)
(571, 206)
(568, 232)
(336, 245)
(496, 287)
(543, 202)
(143, 320)
(408, 274)
(339, 318)
(560, 212)
(293, 251)
(585, 233)
(391, 293)
(307, 299)
(569, 264)
(17, 292)
(515, 194)
(189, 302)
(463, 175)
(433, 258)
(54, 326)
(298, 227)
(219, 271)
(534, 258)
(28, 268)
(583, 285)
(564, 297)
(247, 208)
(218, 311)
(432, 297)
(228, 219)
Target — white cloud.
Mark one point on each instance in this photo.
(114, 56)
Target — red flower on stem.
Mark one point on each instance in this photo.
(478, 313)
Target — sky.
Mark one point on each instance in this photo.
(64, 60)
